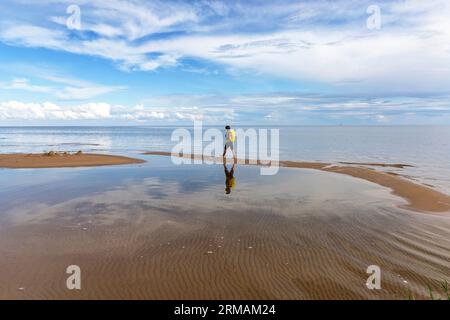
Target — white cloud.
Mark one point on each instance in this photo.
(16, 110)
(386, 61)
(24, 84)
(295, 40)
(47, 111)
(75, 90)
(73, 93)
(32, 36)
(214, 109)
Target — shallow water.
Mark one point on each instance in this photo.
(161, 231)
(427, 148)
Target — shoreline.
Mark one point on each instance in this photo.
(62, 160)
(420, 197)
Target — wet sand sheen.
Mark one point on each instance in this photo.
(419, 197)
(181, 247)
(60, 160)
(278, 237)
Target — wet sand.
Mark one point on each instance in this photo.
(61, 160)
(170, 232)
(419, 197)
(378, 164)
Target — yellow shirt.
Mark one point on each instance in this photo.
(231, 135)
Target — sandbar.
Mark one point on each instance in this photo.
(62, 160)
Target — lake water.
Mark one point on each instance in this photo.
(427, 148)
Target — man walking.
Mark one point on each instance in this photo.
(230, 138)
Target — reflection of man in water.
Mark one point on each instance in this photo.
(230, 182)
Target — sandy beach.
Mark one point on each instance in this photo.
(61, 160)
(160, 231)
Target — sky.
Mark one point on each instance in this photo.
(309, 62)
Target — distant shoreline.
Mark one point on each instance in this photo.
(189, 125)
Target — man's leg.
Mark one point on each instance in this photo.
(234, 154)
(224, 151)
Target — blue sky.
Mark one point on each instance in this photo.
(244, 62)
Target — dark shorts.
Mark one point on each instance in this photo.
(229, 144)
